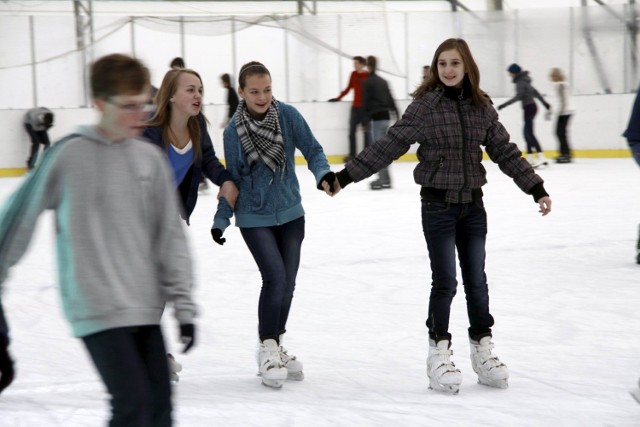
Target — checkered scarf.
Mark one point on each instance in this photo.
(261, 139)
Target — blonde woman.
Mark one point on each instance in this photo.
(564, 114)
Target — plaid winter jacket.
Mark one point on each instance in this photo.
(450, 133)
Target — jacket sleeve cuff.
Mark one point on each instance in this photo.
(538, 192)
(223, 177)
(344, 178)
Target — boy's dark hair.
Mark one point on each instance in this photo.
(47, 120)
(177, 62)
(118, 74)
(226, 78)
(360, 59)
(372, 63)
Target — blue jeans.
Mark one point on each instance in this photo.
(276, 250)
(378, 129)
(530, 111)
(132, 362)
(447, 227)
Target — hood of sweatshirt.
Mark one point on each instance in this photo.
(523, 76)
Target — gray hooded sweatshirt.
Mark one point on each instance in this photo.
(122, 251)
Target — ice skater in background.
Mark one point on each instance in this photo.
(378, 105)
(122, 252)
(564, 114)
(633, 138)
(37, 122)
(451, 119)
(356, 116)
(232, 98)
(527, 94)
(260, 144)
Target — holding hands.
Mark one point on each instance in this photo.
(329, 184)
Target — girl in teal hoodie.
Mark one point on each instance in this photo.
(259, 148)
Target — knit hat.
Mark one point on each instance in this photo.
(514, 69)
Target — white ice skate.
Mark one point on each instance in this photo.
(442, 372)
(270, 365)
(491, 371)
(174, 368)
(292, 364)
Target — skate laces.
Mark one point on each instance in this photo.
(273, 358)
(441, 362)
(285, 356)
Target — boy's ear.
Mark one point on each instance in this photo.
(100, 103)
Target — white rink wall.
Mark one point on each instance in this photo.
(595, 130)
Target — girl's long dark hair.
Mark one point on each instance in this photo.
(478, 96)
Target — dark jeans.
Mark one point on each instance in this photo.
(356, 118)
(561, 133)
(133, 365)
(37, 137)
(448, 226)
(530, 111)
(635, 150)
(276, 250)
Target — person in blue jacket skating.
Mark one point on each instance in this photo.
(259, 150)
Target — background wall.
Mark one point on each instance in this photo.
(595, 129)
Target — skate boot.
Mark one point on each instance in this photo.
(292, 364)
(491, 371)
(270, 364)
(383, 181)
(174, 368)
(542, 160)
(443, 374)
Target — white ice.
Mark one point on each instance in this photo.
(565, 293)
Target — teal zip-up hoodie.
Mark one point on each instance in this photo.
(122, 252)
(267, 198)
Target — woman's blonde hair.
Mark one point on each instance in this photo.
(162, 116)
(556, 75)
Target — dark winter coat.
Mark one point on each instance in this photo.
(450, 133)
(633, 130)
(376, 98)
(206, 163)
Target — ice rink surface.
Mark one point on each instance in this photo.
(565, 293)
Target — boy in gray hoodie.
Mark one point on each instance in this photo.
(122, 252)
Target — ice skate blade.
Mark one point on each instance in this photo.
(443, 388)
(494, 383)
(277, 384)
(295, 376)
(635, 394)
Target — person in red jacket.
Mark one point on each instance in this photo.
(357, 116)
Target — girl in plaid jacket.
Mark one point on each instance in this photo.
(451, 119)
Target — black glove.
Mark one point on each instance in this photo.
(329, 178)
(500, 107)
(216, 233)
(187, 336)
(7, 373)
(333, 100)
(547, 105)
